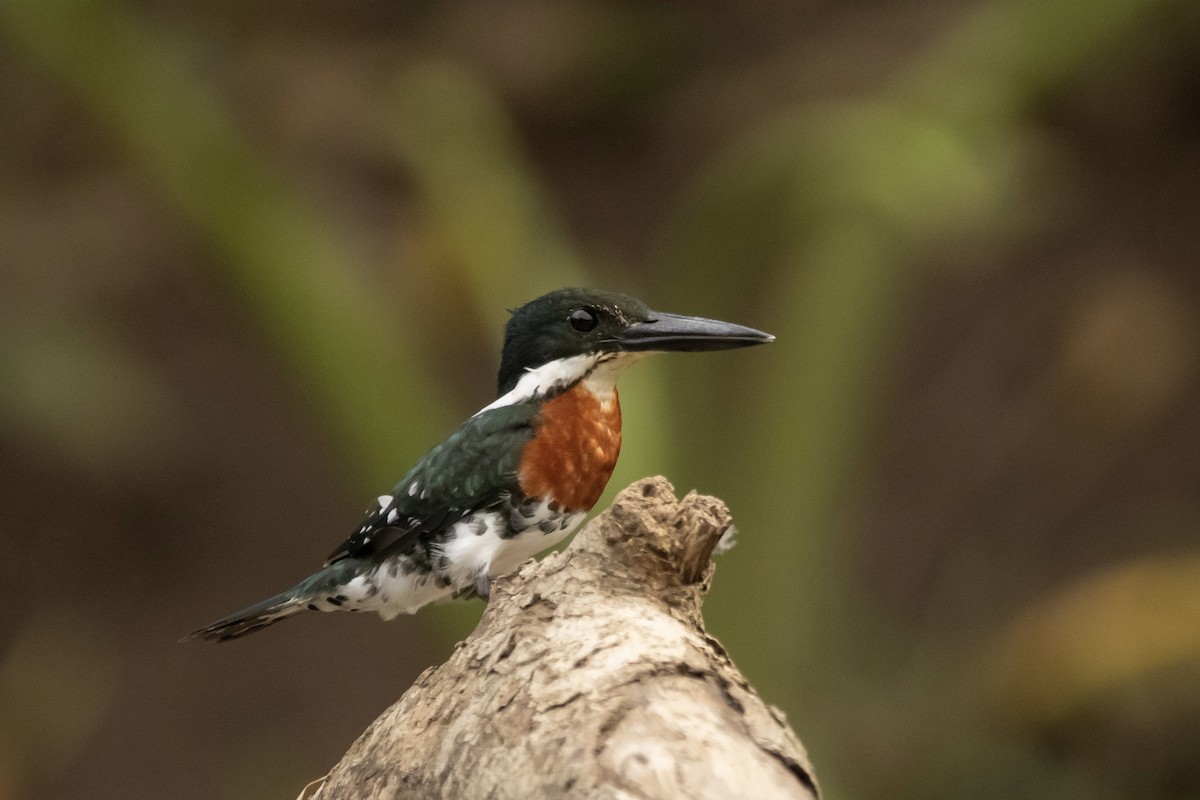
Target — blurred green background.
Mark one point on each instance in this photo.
(254, 260)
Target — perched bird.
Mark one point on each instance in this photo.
(515, 478)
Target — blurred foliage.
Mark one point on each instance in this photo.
(82, 395)
(464, 157)
(1108, 632)
(817, 220)
(287, 269)
(55, 682)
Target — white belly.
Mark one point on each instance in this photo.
(469, 552)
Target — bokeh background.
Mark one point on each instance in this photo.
(254, 260)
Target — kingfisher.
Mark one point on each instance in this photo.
(514, 479)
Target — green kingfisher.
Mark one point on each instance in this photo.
(512, 480)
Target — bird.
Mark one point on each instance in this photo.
(516, 478)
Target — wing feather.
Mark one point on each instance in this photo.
(474, 469)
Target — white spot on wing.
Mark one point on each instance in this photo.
(384, 500)
(392, 516)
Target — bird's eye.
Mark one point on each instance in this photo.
(583, 320)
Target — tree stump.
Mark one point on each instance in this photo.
(590, 675)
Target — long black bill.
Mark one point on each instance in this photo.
(692, 334)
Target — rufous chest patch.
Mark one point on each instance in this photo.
(575, 449)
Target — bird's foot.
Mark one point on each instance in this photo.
(483, 585)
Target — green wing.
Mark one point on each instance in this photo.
(474, 469)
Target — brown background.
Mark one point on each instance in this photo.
(254, 260)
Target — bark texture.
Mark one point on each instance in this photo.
(589, 675)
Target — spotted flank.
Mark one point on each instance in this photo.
(472, 552)
(394, 587)
(534, 527)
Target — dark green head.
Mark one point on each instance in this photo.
(593, 325)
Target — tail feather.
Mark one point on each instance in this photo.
(251, 619)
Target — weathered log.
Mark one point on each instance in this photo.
(589, 675)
